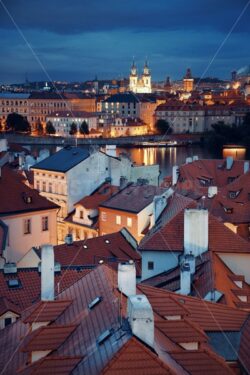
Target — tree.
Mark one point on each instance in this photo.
(17, 123)
(50, 128)
(84, 128)
(163, 127)
(39, 128)
(73, 129)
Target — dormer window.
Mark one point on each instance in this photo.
(205, 181)
(234, 194)
(228, 210)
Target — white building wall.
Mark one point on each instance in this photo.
(238, 264)
(143, 218)
(163, 261)
(19, 243)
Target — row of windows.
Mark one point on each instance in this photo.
(118, 221)
(13, 102)
(50, 188)
(28, 225)
(49, 175)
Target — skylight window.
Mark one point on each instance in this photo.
(85, 246)
(104, 336)
(95, 302)
(107, 241)
(14, 283)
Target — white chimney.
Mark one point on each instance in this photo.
(246, 166)
(185, 287)
(3, 145)
(195, 157)
(160, 203)
(189, 160)
(127, 278)
(195, 231)
(141, 318)
(212, 191)
(111, 150)
(47, 273)
(229, 162)
(175, 174)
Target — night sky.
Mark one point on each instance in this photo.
(78, 39)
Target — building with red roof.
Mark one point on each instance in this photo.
(87, 330)
(27, 218)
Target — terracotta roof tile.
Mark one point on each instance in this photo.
(202, 362)
(6, 305)
(47, 338)
(170, 237)
(98, 197)
(181, 331)
(109, 248)
(136, 358)
(30, 284)
(14, 194)
(47, 311)
(209, 316)
(133, 198)
(51, 365)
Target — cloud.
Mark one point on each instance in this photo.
(78, 39)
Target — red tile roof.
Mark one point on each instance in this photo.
(170, 237)
(214, 170)
(14, 195)
(106, 315)
(47, 338)
(51, 365)
(134, 198)
(202, 362)
(239, 206)
(47, 311)
(6, 305)
(209, 316)
(244, 346)
(98, 197)
(30, 291)
(110, 248)
(136, 358)
(181, 331)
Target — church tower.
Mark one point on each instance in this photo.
(133, 78)
(146, 78)
(188, 81)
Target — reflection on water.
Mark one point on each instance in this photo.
(166, 157)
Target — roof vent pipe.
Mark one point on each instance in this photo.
(47, 273)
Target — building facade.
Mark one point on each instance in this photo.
(139, 84)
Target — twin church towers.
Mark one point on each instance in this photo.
(140, 84)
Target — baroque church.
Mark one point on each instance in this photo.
(140, 84)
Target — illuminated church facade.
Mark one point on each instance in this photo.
(140, 84)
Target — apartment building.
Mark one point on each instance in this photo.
(131, 208)
(27, 219)
(36, 106)
(62, 121)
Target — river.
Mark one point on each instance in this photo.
(166, 157)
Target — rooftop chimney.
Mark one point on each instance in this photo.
(229, 162)
(141, 318)
(185, 287)
(47, 273)
(189, 160)
(175, 174)
(195, 231)
(246, 166)
(195, 157)
(127, 278)
(68, 239)
(212, 191)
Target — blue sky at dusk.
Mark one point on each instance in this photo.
(78, 39)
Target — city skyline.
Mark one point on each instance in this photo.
(76, 42)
